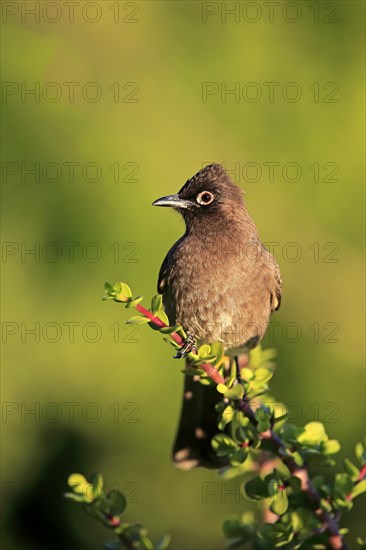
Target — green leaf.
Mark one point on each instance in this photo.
(163, 543)
(358, 489)
(290, 432)
(314, 434)
(123, 528)
(276, 534)
(204, 351)
(206, 359)
(360, 454)
(325, 505)
(263, 375)
(156, 303)
(126, 291)
(232, 527)
(279, 410)
(133, 303)
(122, 292)
(97, 482)
(318, 481)
(239, 456)
(297, 458)
(172, 343)
(147, 544)
(258, 356)
(116, 502)
(205, 381)
(241, 434)
(168, 330)
(217, 350)
(247, 374)
(263, 426)
(279, 503)
(273, 484)
(137, 320)
(74, 480)
(280, 418)
(241, 419)
(262, 414)
(108, 287)
(331, 447)
(235, 393)
(221, 388)
(351, 469)
(73, 497)
(293, 489)
(343, 484)
(230, 381)
(191, 371)
(223, 445)
(162, 316)
(81, 487)
(226, 417)
(256, 488)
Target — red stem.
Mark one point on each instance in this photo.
(158, 323)
(362, 473)
(209, 369)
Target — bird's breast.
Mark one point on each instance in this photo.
(216, 293)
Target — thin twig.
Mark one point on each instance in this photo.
(330, 523)
(209, 369)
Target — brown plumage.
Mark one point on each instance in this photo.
(220, 283)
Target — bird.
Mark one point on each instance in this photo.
(220, 283)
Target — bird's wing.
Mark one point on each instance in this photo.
(276, 293)
(162, 275)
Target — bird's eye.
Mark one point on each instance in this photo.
(205, 198)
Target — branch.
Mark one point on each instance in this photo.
(108, 508)
(120, 292)
(209, 369)
(326, 502)
(330, 523)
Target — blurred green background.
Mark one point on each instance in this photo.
(106, 399)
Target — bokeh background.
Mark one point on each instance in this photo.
(107, 399)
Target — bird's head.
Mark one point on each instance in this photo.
(210, 194)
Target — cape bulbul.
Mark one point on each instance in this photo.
(219, 283)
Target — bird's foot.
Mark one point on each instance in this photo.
(188, 346)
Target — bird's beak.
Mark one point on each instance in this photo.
(174, 201)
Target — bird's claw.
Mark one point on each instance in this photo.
(188, 346)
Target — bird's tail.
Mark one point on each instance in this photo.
(197, 426)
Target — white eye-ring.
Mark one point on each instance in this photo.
(205, 198)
